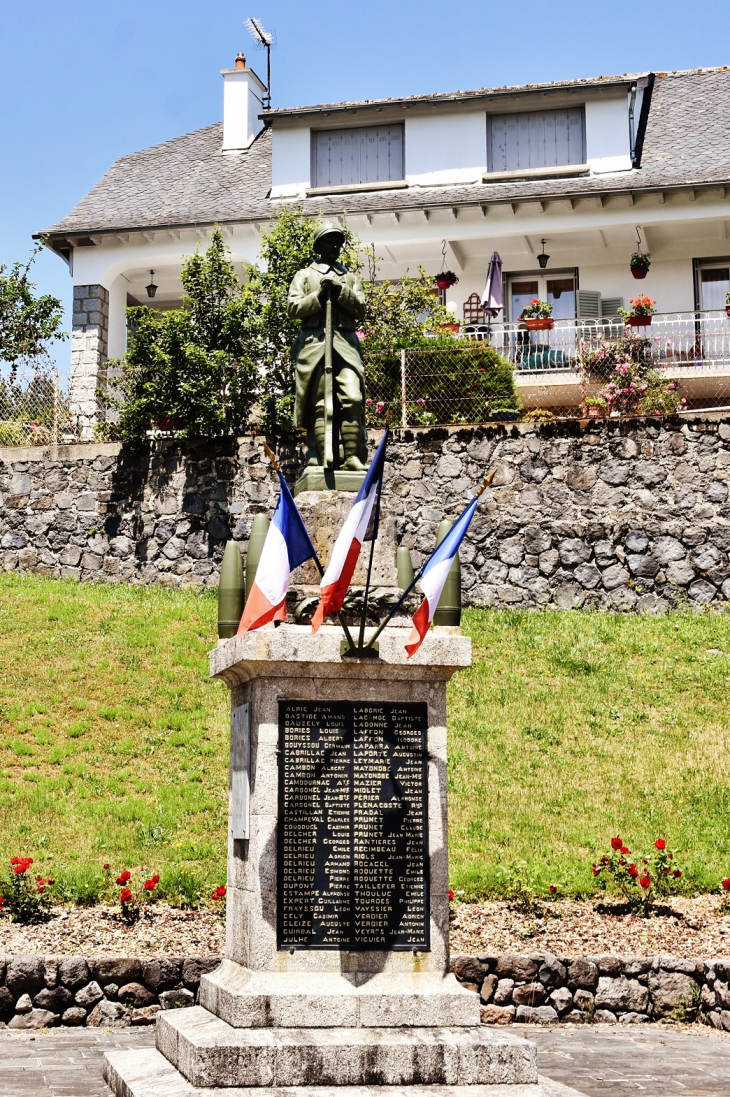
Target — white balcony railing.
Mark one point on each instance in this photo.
(680, 339)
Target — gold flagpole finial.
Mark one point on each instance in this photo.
(486, 482)
(271, 456)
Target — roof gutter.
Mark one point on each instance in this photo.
(446, 204)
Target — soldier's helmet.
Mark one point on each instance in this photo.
(328, 229)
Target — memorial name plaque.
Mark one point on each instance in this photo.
(353, 826)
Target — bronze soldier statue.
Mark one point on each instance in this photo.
(330, 379)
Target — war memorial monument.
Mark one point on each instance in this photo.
(336, 977)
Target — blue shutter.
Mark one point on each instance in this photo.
(537, 139)
(372, 154)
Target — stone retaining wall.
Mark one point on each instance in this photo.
(609, 514)
(45, 991)
(545, 989)
(114, 992)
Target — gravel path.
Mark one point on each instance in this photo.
(695, 928)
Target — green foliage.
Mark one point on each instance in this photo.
(190, 370)
(28, 324)
(640, 260)
(401, 314)
(449, 381)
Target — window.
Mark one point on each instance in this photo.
(373, 154)
(557, 289)
(540, 139)
(714, 285)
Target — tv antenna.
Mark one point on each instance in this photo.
(262, 38)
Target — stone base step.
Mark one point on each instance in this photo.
(145, 1072)
(300, 999)
(210, 1052)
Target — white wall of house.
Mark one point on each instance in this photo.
(446, 149)
(608, 141)
(449, 146)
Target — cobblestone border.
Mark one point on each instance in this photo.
(114, 992)
(546, 989)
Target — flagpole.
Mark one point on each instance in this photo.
(372, 553)
(485, 484)
(277, 468)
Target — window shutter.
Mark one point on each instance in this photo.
(611, 305)
(373, 154)
(538, 139)
(589, 304)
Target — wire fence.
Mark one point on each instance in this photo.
(34, 408)
(584, 368)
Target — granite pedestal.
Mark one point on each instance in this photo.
(285, 1012)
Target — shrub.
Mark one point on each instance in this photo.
(26, 897)
(641, 880)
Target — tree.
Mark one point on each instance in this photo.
(28, 324)
(190, 369)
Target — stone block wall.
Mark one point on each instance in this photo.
(110, 992)
(544, 989)
(89, 351)
(616, 515)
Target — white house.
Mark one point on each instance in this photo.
(580, 165)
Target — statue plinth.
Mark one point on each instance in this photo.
(318, 478)
(344, 814)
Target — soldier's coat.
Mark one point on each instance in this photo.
(347, 312)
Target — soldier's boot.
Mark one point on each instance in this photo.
(350, 431)
(311, 457)
(319, 439)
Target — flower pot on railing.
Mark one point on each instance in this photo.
(453, 328)
(638, 321)
(539, 323)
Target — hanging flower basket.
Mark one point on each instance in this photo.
(446, 279)
(639, 263)
(638, 321)
(727, 309)
(539, 323)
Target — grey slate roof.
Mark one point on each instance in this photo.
(190, 181)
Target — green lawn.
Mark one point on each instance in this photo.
(568, 729)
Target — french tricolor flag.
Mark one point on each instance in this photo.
(433, 578)
(287, 545)
(336, 580)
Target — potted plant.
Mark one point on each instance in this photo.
(641, 311)
(727, 302)
(446, 279)
(595, 407)
(640, 263)
(538, 315)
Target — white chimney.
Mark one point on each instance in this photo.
(242, 92)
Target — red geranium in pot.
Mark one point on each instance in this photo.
(641, 311)
(538, 315)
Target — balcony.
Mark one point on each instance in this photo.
(690, 348)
